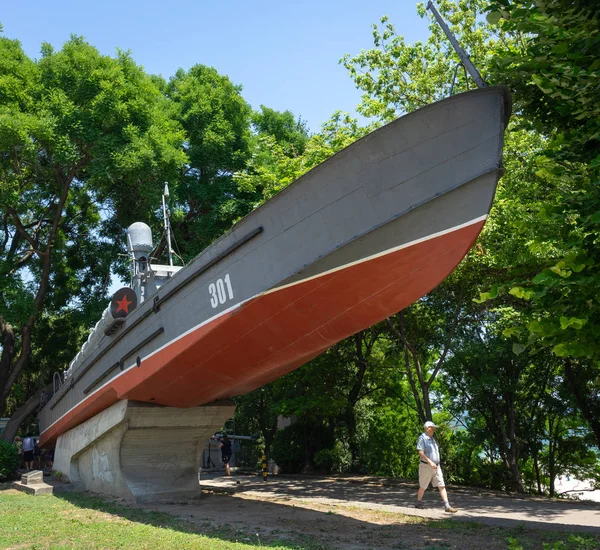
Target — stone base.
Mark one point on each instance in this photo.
(137, 450)
(32, 483)
(41, 489)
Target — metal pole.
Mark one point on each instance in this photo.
(264, 467)
(167, 222)
(464, 56)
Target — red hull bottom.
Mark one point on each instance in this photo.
(276, 332)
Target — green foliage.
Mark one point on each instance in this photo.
(216, 120)
(527, 287)
(288, 449)
(9, 459)
(276, 163)
(553, 70)
(81, 133)
(336, 460)
(290, 133)
(398, 78)
(255, 413)
(499, 369)
(392, 439)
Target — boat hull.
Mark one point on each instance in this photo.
(356, 240)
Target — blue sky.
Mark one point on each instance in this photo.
(284, 54)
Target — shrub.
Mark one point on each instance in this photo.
(9, 460)
(336, 460)
(288, 450)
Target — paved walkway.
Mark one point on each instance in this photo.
(396, 496)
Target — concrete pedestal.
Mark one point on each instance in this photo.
(32, 483)
(138, 450)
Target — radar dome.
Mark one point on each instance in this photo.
(140, 237)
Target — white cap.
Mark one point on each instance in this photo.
(430, 424)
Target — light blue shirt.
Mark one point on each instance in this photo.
(430, 447)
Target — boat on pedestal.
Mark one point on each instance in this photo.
(356, 239)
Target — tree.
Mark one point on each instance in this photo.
(274, 163)
(288, 132)
(398, 78)
(79, 132)
(486, 380)
(255, 413)
(425, 332)
(216, 120)
(315, 396)
(553, 70)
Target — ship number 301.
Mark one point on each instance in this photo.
(218, 292)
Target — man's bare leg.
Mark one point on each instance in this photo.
(444, 496)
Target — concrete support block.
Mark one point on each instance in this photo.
(73, 442)
(34, 477)
(138, 450)
(32, 483)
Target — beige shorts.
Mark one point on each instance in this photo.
(428, 475)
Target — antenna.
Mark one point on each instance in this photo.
(464, 56)
(133, 264)
(167, 222)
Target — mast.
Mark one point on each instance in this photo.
(464, 56)
(167, 222)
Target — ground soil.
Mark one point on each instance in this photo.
(367, 512)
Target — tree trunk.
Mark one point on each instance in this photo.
(589, 404)
(536, 467)
(8, 351)
(269, 436)
(353, 397)
(12, 364)
(308, 455)
(507, 442)
(412, 375)
(36, 401)
(514, 445)
(422, 399)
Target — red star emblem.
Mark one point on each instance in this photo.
(123, 304)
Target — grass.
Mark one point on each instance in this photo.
(81, 521)
(74, 520)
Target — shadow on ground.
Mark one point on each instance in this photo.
(354, 513)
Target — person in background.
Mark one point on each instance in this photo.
(48, 459)
(430, 470)
(28, 447)
(225, 446)
(37, 456)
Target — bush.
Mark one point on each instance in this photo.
(9, 460)
(288, 446)
(288, 450)
(336, 460)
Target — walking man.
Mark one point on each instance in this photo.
(430, 470)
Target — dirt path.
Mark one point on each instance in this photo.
(365, 512)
